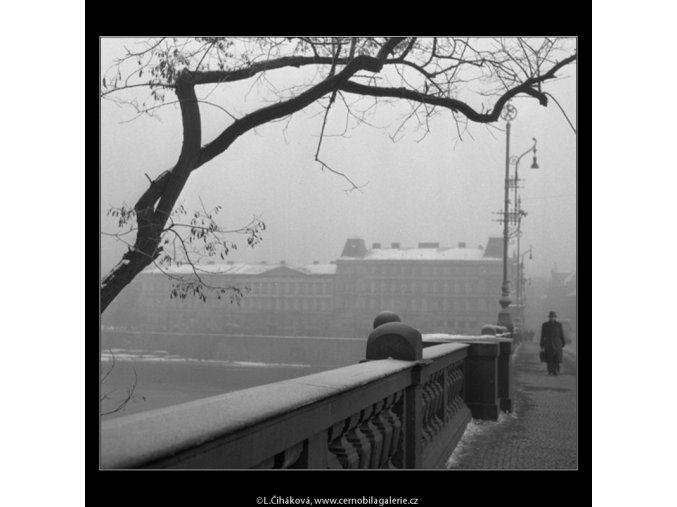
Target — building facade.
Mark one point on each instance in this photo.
(432, 289)
(453, 290)
(277, 300)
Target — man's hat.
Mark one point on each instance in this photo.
(552, 314)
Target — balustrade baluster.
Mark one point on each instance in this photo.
(342, 452)
(438, 402)
(288, 457)
(386, 430)
(449, 378)
(446, 391)
(394, 416)
(360, 441)
(374, 435)
(426, 435)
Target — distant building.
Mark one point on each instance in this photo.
(278, 299)
(432, 288)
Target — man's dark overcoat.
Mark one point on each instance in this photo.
(552, 340)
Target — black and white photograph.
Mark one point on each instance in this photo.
(338, 253)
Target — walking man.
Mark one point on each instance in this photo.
(552, 342)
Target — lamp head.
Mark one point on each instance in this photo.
(534, 165)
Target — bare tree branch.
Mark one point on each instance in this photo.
(145, 51)
(128, 397)
(457, 105)
(139, 85)
(266, 114)
(353, 186)
(141, 112)
(563, 111)
(227, 76)
(105, 376)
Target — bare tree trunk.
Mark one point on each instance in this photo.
(164, 191)
(132, 264)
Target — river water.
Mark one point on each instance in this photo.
(156, 376)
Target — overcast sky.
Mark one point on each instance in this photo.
(439, 189)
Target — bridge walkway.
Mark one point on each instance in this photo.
(541, 433)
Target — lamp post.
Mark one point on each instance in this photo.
(508, 114)
(519, 214)
(520, 283)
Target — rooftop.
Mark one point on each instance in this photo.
(432, 254)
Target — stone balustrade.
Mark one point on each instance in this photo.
(488, 386)
(406, 406)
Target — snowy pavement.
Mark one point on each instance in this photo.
(541, 433)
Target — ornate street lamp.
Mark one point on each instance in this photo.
(519, 214)
(520, 284)
(509, 113)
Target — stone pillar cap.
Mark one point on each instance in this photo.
(386, 316)
(395, 340)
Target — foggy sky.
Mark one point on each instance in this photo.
(437, 189)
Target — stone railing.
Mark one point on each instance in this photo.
(488, 366)
(405, 406)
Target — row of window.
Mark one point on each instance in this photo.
(161, 284)
(373, 268)
(286, 304)
(247, 303)
(314, 304)
(288, 287)
(373, 286)
(413, 286)
(413, 304)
